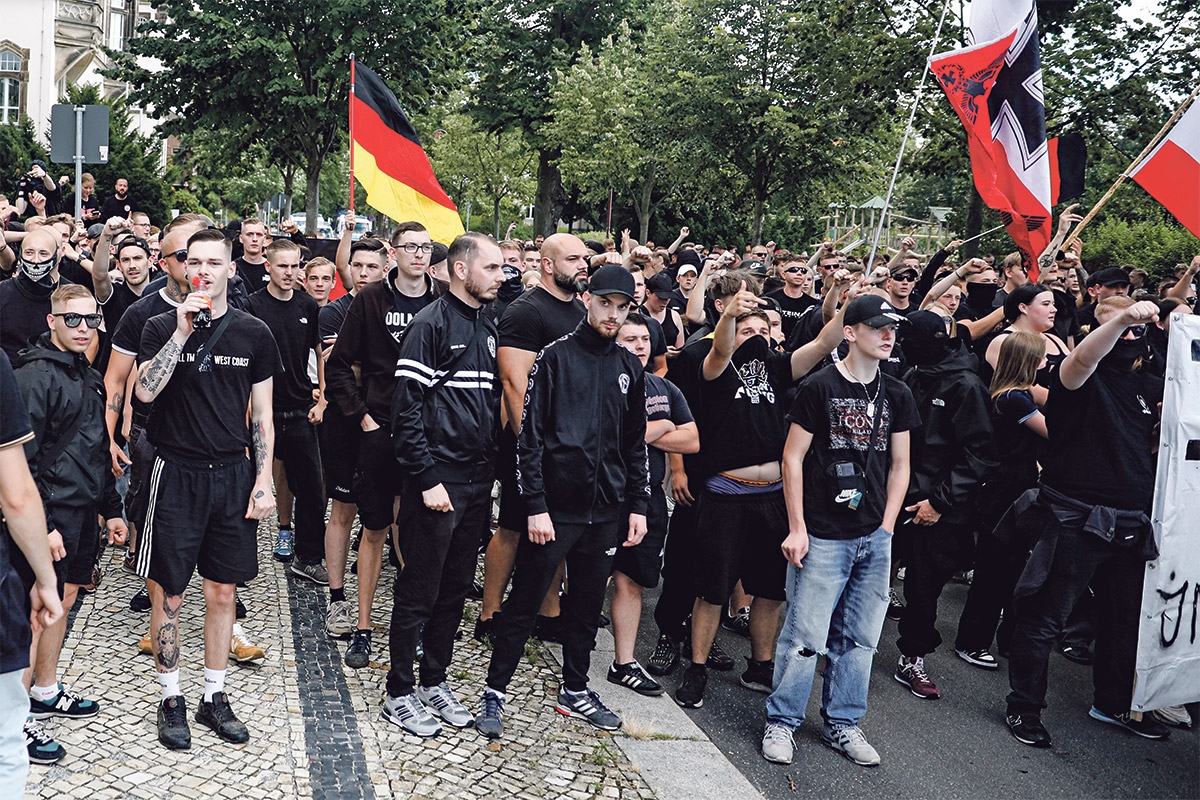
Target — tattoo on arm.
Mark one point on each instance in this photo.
(117, 402)
(168, 637)
(158, 370)
(260, 448)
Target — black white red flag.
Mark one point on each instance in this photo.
(995, 87)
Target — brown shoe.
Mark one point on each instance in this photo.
(242, 650)
(144, 645)
(911, 672)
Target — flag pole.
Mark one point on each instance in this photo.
(904, 142)
(352, 131)
(980, 235)
(1136, 162)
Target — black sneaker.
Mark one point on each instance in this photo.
(895, 609)
(588, 706)
(140, 602)
(665, 657)
(632, 676)
(41, 745)
(1147, 727)
(239, 607)
(739, 623)
(690, 693)
(1028, 729)
(548, 629)
(1079, 654)
(66, 704)
(219, 716)
(358, 654)
(718, 659)
(172, 723)
(759, 675)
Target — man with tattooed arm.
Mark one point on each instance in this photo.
(201, 365)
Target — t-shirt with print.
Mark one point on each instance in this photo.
(254, 276)
(294, 324)
(200, 414)
(663, 401)
(834, 410)
(118, 303)
(791, 308)
(333, 314)
(741, 412)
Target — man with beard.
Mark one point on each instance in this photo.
(584, 486)
(25, 298)
(133, 260)
(444, 415)
(1089, 520)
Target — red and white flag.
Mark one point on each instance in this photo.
(995, 87)
(1171, 173)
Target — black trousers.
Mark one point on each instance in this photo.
(932, 554)
(1116, 575)
(677, 597)
(440, 550)
(998, 566)
(296, 446)
(588, 550)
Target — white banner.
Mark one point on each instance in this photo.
(1168, 657)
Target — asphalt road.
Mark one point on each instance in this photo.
(955, 747)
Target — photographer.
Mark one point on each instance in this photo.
(37, 193)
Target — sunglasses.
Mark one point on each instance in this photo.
(178, 255)
(72, 319)
(908, 276)
(759, 255)
(1137, 331)
(796, 269)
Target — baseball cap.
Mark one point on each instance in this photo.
(902, 268)
(873, 311)
(95, 229)
(439, 253)
(754, 267)
(132, 241)
(660, 285)
(37, 162)
(1112, 276)
(688, 268)
(612, 279)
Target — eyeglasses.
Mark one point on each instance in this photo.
(796, 269)
(72, 319)
(412, 249)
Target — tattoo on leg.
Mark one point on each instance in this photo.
(168, 638)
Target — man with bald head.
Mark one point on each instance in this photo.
(25, 299)
(541, 315)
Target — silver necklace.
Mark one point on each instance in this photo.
(870, 400)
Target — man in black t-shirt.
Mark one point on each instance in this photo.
(792, 298)
(534, 320)
(133, 260)
(1089, 521)
(292, 317)
(201, 380)
(846, 470)
(252, 264)
(120, 204)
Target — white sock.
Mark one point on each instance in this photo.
(214, 681)
(44, 693)
(169, 681)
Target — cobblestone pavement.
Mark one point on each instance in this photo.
(315, 725)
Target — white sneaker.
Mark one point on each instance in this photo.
(441, 702)
(339, 623)
(777, 744)
(1175, 716)
(242, 649)
(851, 743)
(411, 715)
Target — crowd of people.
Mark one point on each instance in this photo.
(781, 437)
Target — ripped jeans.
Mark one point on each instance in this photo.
(836, 605)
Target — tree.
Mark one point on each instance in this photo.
(19, 147)
(277, 74)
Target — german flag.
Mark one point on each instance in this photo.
(387, 158)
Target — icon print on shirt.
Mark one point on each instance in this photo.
(755, 384)
(850, 424)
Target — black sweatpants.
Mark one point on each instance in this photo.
(677, 597)
(588, 550)
(440, 549)
(932, 555)
(296, 446)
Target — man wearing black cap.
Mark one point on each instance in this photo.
(581, 455)
(899, 285)
(845, 473)
(660, 290)
(133, 260)
(37, 182)
(1110, 282)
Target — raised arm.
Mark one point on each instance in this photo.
(1083, 360)
(341, 259)
(725, 335)
(1180, 289)
(684, 232)
(100, 277)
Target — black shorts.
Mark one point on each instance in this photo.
(642, 563)
(337, 438)
(141, 453)
(512, 514)
(377, 480)
(80, 531)
(196, 520)
(738, 537)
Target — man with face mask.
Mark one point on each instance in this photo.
(952, 454)
(1089, 521)
(25, 299)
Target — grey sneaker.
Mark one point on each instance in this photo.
(309, 572)
(441, 702)
(490, 722)
(587, 706)
(410, 714)
(1175, 716)
(339, 622)
(851, 743)
(777, 744)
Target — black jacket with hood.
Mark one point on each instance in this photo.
(60, 388)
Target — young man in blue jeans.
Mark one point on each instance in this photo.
(845, 473)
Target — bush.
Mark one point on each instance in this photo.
(1153, 246)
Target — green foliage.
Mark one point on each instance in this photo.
(19, 147)
(1153, 246)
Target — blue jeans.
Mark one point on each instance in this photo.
(836, 605)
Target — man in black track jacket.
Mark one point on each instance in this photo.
(952, 454)
(444, 420)
(581, 453)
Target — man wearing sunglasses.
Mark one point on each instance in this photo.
(65, 399)
(899, 285)
(792, 298)
(370, 337)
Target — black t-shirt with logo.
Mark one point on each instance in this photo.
(834, 410)
(537, 318)
(254, 276)
(790, 308)
(404, 308)
(297, 333)
(200, 415)
(117, 207)
(663, 401)
(1102, 438)
(741, 411)
(333, 314)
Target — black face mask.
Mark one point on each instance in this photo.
(512, 286)
(981, 295)
(1124, 354)
(923, 351)
(754, 347)
(38, 271)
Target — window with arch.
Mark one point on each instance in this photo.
(11, 73)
